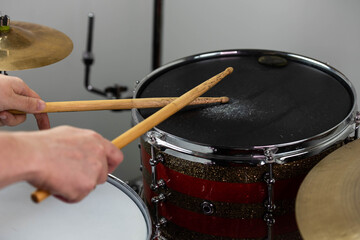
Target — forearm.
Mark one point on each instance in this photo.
(17, 163)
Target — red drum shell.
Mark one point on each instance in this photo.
(238, 200)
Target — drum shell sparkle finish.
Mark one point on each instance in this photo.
(215, 185)
(236, 191)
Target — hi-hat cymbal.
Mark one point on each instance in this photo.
(29, 45)
(328, 201)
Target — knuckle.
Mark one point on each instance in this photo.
(98, 167)
(18, 80)
(88, 187)
(99, 150)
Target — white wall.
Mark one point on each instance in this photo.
(328, 30)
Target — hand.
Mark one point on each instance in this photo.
(70, 161)
(15, 94)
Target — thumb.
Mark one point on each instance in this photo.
(28, 104)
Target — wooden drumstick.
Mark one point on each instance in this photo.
(118, 104)
(153, 120)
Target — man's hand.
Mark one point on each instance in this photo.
(15, 94)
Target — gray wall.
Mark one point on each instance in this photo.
(327, 30)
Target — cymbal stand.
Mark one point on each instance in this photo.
(157, 33)
(88, 59)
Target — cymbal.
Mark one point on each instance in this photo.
(29, 45)
(328, 201)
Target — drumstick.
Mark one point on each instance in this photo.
(118, 104)
(153, 120)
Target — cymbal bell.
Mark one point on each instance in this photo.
(29, 45)
(328, 201)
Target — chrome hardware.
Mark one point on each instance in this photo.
(357, 118)
(270, 154)
(159, 221)
(208, 208)
(141, 165)
(269, 207)
(153, 162)
(152, 137)
(161, 197)
(157, 235)
(160, 158)
(269, 203)
(160, 184)
(357, 123)
(156, 185)
(162, 221)
(269, 219)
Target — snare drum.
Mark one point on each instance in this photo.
(112, 211)
(232, 171)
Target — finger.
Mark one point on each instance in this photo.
(103, 171)
(9, 119)
(26, 99)
(68, 200)
(61, 198)
(103, 175)
(114, 157)
(42, 120)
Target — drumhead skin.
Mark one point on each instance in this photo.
(287, 101)
(112, 211)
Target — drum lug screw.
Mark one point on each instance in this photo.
(208, 208)
(153, 162)
(154, 187)
(268, 180)
(160, 184)
(269, 207)
(269, 219)
(158, 199)
(160, 158)
(162, 221)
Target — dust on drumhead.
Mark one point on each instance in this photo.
(234, 109)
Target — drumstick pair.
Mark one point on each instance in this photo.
(153, 120)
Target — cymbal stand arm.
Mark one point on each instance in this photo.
(88, 59)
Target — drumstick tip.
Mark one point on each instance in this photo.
(224, 99)
(229, 70)
(39, 195)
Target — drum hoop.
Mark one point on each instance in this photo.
(116, 182)
(255, 154)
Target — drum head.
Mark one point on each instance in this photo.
(109, 212)
(269, 103)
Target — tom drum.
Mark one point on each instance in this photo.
(232, 171)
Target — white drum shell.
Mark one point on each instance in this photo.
(111, 211)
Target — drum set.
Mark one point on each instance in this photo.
(278, 161)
